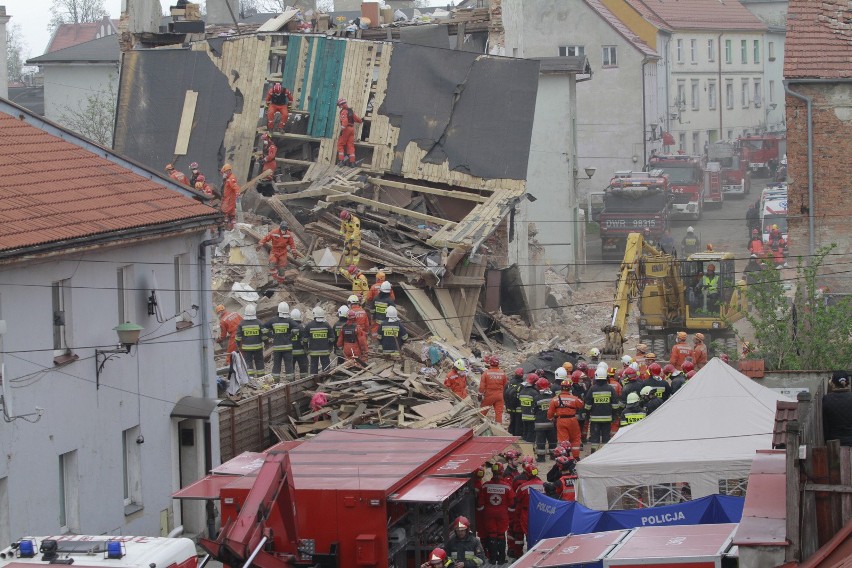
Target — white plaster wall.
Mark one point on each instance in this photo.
(69, 85)
(776, 119)
(163, 368)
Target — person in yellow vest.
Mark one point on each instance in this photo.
(350, 230)
(356, 277)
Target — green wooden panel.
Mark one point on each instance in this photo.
(291, 62)
(306, 99)
(325, 86)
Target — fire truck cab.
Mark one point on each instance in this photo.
(634, 201)
(733, 158)
(100, 552)
(686, 181)
(763, 149)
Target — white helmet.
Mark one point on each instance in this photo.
(296, 315)
(561, 373)
(626, 360)
(392, 314)
(690, 230)
(319, 313)
(459, 365)
(283, 309)
(342, 311)
(600, 373)
(603, 365)
(250, 312)
(635, 366)
(353, 299)
(594, 352)
(385, 287)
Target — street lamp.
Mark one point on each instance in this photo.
(590, 171)
(128, 336)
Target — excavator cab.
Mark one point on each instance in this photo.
(707, 298)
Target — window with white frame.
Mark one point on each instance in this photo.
(744, 51)
(681, 94)
(610, 58)
(771, 92)
(711, 94)
(758, 92)
(181, 283)
(756, 54)
(69, 493)
(681, 141)
(696, 143)
(124, 292)
(61, 301)
(729, 57)
(696, 96)
(693, 51)
(771, 49)
(571, 50)
(132, 469)
(744, 93)
(729, 93)
(679, 50)
(730, 134)
(711, 50)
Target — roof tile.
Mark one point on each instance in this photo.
(621, 28)
(819, 39)
(698, 14)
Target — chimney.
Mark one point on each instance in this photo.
(218, 13)
(138, 17)
(4, 74)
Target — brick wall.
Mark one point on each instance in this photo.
(832, 112)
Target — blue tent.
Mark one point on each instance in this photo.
(551, 518)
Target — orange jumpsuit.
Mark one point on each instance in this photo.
(680, 351)
(281, 243)
(230, 192)
(699, 355)
(346, 140)
(563, 408)
(457, 382)
(362, 319)
(492, 383)
(617, 386)
(270, 151)
(228, 324)
(278, 103)
(204, 188)
(179, 177)
(353, 340)
(375, 291)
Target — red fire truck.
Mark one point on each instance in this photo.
(686, 180)
(713, 184)
(100, 552)
(634, 201)
(764, 149)
(346, 498)
(733, 159)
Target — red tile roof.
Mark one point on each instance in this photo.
(622, 29)
(55, 190)
(648, 15)
(721, 15)
(819, 40)
(67, 35)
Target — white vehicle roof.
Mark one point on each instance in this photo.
(92, 551)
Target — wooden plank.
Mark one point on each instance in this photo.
(435, 321)
(430, 409)
(446, 303)
(430, 190)
(846, 479)
(828, 488)
(187, 116)
(392, 208)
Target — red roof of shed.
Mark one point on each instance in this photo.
(819, 40)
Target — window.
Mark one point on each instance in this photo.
(730, 134)
(681, 141)
(61, 295)
(5, 519)
(758, 93)
(696, 101)
(609, 56)
(124, 288)
(711, 94)
(771, 92)
(572, 50)
(711, 50)
(729, 57)
(679, 47)
(681, 94)
(771, 51)
(729, 93)
(756, 56)
(693, 50)
(696, 141)
(182, 295)
(69, 499)
(131, 470)
(643, 496)
(733, 487)
(712, 136)
(743, 51)
(744, 93)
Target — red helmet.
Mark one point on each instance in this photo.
(200, 178)
(557, 452)
(655, 369)
(542, 383)
(519, 372)
(582, 366)
(276, 89)
(511, 455)
(531, 469)
(629, 374)
(690, 374)
(687, 366)
(539, 372)
(486, 359)
(562, 461)
(532, 378)
(495, 361)
(438, 555)
(669, 369)
(352, 269)
(577, 376)
(345, 215)
(527, 460)
(566, 385)
(461, 523)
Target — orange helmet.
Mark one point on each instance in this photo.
(568, 366)
(226, 168)
(220, 308)
(380, 276)
(650, 356)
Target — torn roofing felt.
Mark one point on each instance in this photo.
(153, 87)
(472, 111)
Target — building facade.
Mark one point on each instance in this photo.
(773, 13)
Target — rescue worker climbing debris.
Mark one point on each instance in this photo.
(278, 100)
(268, 153)
(194, 173)
(250, 337)
(456, 379)
(352, 340)
(202, 186)
(282, 242)
(228, 323)
(280, 330)
(177, 175)
(350, 230)
(346, 140)
(230, 193)
(356, 277)
(320, 341)
(392, 334)
(492, 383)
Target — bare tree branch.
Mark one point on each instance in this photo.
(94, 117)
(16, 49)
(75, 12)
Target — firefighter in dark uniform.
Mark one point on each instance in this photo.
(634, 411)
(602, 403)
(463, 547)
(250, 336)
(526, 400)
(320, 341)
(279, 329)
(511, 402)
(649, 397)
(297, 338)
(380, 305)
(631, 383)
(391, 333)
(837, 409)
(662, 389)
(545, 431)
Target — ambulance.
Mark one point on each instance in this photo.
(101, 551)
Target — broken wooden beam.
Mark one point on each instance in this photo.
(431, 190)
(391, 208)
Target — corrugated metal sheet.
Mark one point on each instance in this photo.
(570, 550)
(764, 515)
(325, 85)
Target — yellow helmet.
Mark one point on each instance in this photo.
(681, 336)
(226, 168)
(568, 366)
(220, 308)
(380, 276)
(169, 167)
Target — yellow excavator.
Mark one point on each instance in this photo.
(671, 297)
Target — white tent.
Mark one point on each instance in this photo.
(700, 442)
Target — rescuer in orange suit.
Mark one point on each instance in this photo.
(353, 339)
(228, 324)
(230, 193)
(456, 379)
(346, 140)
(680, 351)
(270, 150)
(277, 100)
(699, 352)
(177, 175)
(564, 408)
(492, 383)
(202, 185)
(282, 242)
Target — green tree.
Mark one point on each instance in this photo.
(801, 329)
(94, 117)
(75, 12)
